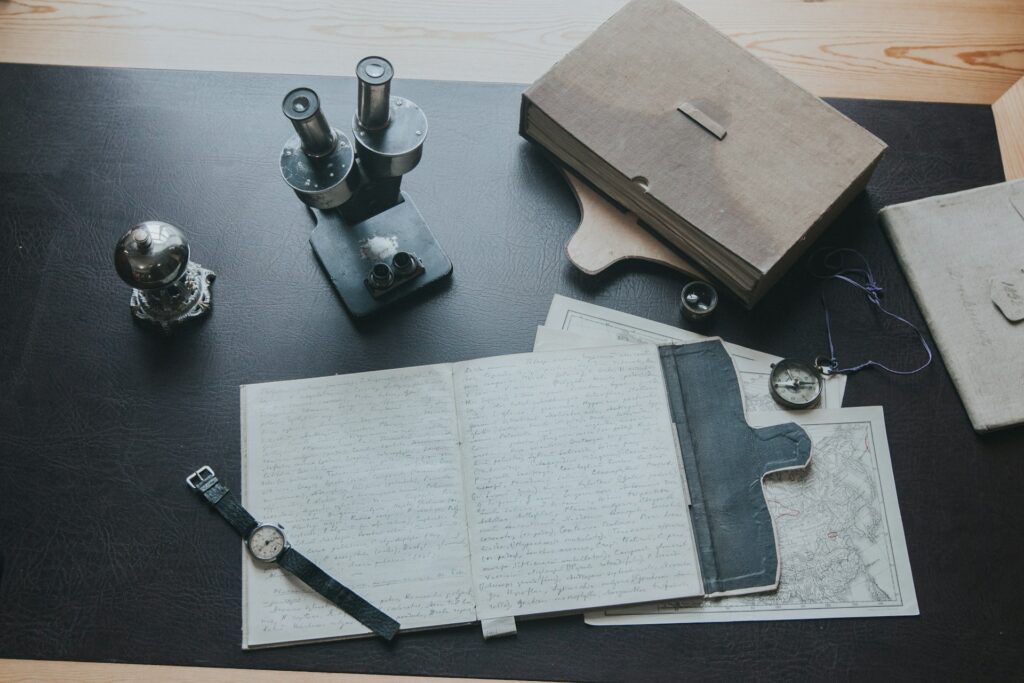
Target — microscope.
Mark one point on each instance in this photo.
(369, 237)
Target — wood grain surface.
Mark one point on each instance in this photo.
(608, 235)
(925, 50)
(26, 670)
(1008, 111)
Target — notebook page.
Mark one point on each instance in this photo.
(575, 489)
(363, 472)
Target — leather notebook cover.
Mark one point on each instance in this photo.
(725, 157)
(725, 461)
(963, 254)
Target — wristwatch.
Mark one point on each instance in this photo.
(267, 543)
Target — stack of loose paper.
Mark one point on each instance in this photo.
(840, 536)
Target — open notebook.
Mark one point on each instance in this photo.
(502, 487)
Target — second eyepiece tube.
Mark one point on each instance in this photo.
(373, 109)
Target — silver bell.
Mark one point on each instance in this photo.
(168, 289)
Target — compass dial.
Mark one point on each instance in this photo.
(795, 384)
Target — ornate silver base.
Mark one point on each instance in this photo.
(183, 302)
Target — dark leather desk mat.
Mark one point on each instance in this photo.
(107, 556)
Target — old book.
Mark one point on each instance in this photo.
(507, 487)
(963, 254)
(724, 157)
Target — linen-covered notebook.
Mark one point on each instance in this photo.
(510, 486)
(727, 159)
(963, 254)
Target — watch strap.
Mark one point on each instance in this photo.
(352, 604)
(205, 482)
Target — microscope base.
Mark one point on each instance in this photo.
(348, 253)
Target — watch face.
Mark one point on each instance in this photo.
(266, 543)
(795, 384)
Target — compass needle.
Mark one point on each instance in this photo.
(795, 385)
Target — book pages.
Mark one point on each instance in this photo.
(363, 473)
(575, 486)
(516, 485)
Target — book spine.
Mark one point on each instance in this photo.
(524, 108)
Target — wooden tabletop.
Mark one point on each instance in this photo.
(926, 50)
(969, 51)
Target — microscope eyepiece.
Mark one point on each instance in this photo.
(373, 110)
(318, 162)
(302, 107)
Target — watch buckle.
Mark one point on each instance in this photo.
(199, 476)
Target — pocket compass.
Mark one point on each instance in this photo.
(795, 384)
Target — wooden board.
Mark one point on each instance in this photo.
(608, 235)
(923, 50)
(1008, 111)
(25, 670)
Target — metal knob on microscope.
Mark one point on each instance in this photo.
(318, 162)
(168, 289)
(389, 131)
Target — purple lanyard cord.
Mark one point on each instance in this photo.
(864, 280)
